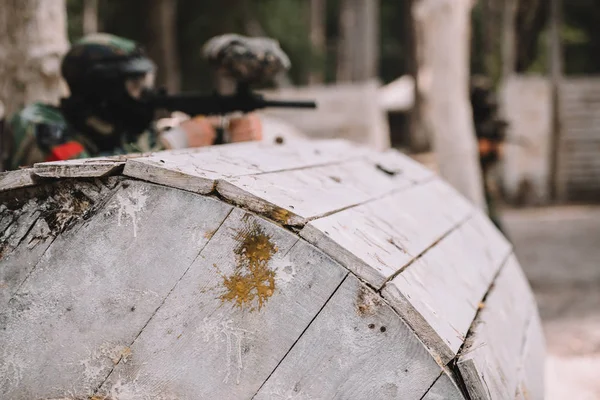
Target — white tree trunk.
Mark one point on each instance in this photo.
(33, 39)
(90, 16)
(318, 38)
(359, 40)
(162, 42)
(443, 45)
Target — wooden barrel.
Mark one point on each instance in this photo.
(304, 270)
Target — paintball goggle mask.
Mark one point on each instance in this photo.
(110, 74)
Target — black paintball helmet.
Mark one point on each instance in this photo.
(99, 64)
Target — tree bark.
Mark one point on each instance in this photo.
(358, 40)
(33, 39)
(90, 16)
(162, 42)
(318, 11)
(443, 40)
(509, 40)
(419, 136)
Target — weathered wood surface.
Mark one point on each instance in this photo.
(444, 388)
(80, 168)
(490, 360)
(440, 293)
(94, 290)
(16, 179)
(373, 286)
(357, 348)
(211, 334)
(31, 218)
(199, 170)
(531, 383)
(578, 175)
(350, 111)
(377, 239)
(297, 196)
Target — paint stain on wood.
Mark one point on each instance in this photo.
(279, 215)
(367, 302)
(31, 215)
(252, 283)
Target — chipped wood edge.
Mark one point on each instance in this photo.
(428, 336)
(258, 205)
(16, 179)
(343, 256)
(96, 169)
(474, 384)
(445, 387)
(146, 171)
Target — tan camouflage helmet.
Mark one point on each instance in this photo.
(246, 59)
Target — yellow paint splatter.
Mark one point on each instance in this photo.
(252, 282)
(280, 215)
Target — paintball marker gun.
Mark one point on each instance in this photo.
(242, 59)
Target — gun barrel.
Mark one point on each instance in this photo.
(290, 104)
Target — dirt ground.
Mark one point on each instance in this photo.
(559, 249)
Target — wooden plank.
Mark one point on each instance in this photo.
(345, 110)
(489, 363)
(80, 168)
(439, 294)
(356, 348)
(198, 171)
(16, 263)
(377, 239)
(394, 162)
(97, 287)
(32, 217)
(16, 179)
(297, 196)
(531, 377)
(444, 389)
(211, 339)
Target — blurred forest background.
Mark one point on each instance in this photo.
(173, 31)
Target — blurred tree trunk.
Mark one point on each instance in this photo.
(162, 42)
(492, 18)
(90, 16)
(318, 9)
(33, 39)
(419, 139)
(509, 40)
(443, 42)
(358, 40)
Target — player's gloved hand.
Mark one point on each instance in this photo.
(246, 128)
(190, 132)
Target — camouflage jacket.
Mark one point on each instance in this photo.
(40, 133)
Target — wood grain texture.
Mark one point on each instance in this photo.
(399, 164)
(205, 343)
(444, 389)
(31, 218)
(16, 179)
(297, 196)
(531, 380)
(356, 348)
(79, 168)
(489, 361)
(96, 287)
(377, 239)
(439, 294)
(198, 170)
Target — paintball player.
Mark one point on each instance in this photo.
(104, 116)
(490, 130)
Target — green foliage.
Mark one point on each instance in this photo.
(288, 22)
